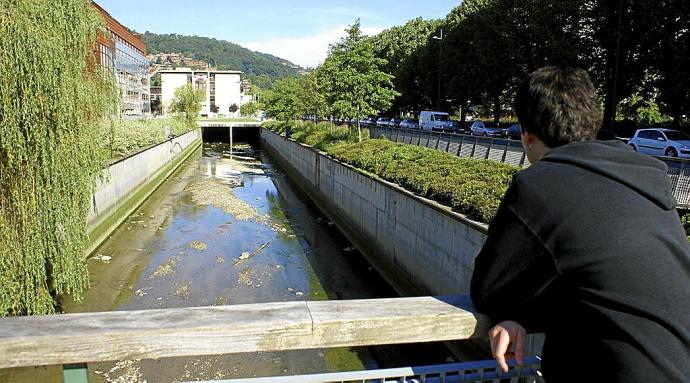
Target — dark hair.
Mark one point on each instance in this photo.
(559, 105)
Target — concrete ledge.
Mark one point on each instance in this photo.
(130, 181)
(418, 245)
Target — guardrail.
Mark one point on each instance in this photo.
(511, 152)
(75, 339)
(486, 148)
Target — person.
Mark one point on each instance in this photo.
(587, 247)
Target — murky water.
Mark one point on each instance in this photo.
(228, 230)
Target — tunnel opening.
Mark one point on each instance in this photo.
(243, 134)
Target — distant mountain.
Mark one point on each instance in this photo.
(261, 68)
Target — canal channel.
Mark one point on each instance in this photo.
(230, 229)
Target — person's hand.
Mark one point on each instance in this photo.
(503, 336)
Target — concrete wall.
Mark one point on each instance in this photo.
(419, 246)
(131, 180)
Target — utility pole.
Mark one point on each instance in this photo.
(440, 58)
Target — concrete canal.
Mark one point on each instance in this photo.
(229, 230)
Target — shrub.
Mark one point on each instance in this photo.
(123, 137)
(470, 186)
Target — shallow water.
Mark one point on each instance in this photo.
(229, 230)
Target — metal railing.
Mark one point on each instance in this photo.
(511, 152)
(485, 148)
(481, 371)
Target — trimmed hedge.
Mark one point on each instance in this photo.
(470, 186)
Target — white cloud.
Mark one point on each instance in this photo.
(307, 51)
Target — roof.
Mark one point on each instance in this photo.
(115, 27)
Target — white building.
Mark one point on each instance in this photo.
(223, 92)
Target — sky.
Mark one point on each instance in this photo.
(296, 30)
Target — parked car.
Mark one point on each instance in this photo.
(430, 120)
(383, 121)
(394, 123)
(514, 131)
(455, 128)
(486, 129)
(369, 121)
(409, 123)
(661, 142)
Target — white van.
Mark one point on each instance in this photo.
(430, 120)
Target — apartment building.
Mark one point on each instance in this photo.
(222, 89)
(124, 53)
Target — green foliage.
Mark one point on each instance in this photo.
(352, 77)
(320, 136)
(187, 101)
(489, 45)
(283, 100)
(261, 68)
(251, 108)
(470, 186)
(400, 47)
(52, 94)
(685, 220)
(124, 137)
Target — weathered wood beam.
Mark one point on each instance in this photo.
(152, 334)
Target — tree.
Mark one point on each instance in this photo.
(399, 46)
(187, 101)
(52, 94)
(250, 109)
(312, 96)
(352, 77)
(283, 101)
(233, 108)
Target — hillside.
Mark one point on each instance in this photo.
(224, 55)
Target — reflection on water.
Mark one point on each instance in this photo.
(224, 230)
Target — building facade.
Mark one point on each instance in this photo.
(122, 52)
(222, 89)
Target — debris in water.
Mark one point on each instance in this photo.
(102, 258)
(349, 249)
(182, 291)
(220, 260)
(212, 192)
(140, 293)
(245, 276)
(197, 245)
(167, 268)
(331, 224)
(299, 293)
(246, 255)
(125, 371)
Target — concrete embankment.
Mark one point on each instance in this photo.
(129, 181)
(420, 246)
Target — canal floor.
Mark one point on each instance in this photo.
(227, 230)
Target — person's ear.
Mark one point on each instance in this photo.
(528, 139)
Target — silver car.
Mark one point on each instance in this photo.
(661, 142)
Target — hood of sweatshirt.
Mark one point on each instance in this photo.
(617, 161)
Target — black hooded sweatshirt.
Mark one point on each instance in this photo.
(587, 247)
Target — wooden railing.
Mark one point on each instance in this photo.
(151, 334)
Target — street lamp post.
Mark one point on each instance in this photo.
(440, 57)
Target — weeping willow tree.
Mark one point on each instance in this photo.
(52, 97)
